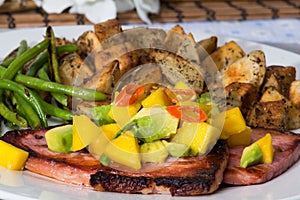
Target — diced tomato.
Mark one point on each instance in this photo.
(187, 113)
(129, 95)
(180, 95)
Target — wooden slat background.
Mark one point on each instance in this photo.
(14, 14)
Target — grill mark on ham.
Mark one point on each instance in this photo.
(286, 153)
(183, 177)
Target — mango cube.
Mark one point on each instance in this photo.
(123, 114)
(84, 132)
(243, 138)
(234, 122)
(107, 133)
(266, 146)
(181, 85)
(12, 157)
(124, 150)
(158, 97)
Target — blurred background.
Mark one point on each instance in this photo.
(274, 22)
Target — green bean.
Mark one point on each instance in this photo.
(61, 98)
(53, 64)
(8, 110)
(12, 116)
(22, 48)
(37, 64)
(9, 58)
(25, 109)
(11, 125)
(42, 59)
(35, 83)
(27, 95)
(8, 99)
(53, 110)
(15, 53)
(19, 62)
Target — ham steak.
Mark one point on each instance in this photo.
(183, 177)
(286, 153)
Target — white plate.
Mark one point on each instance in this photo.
(26, 185)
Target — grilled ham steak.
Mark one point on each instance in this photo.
(286, 153)
(185, 177)
(191, 176)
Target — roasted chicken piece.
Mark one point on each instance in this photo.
(120, 52)
(184, 45)
(143, 40)
(105, 80)
(284, 75)
(206, 46)
(176, 68)
(249, 69)
(272, 82)
(87, 42)
(272, 115)
(294, 93)
(107, 29)
(270, 112)
(224, 56)
(73, 71)
(242, 95)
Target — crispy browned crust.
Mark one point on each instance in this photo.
(184, 177)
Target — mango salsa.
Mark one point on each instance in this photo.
(181, 85)
(265, 144)
(12, 157)
(107, 133)
(200, 137)
(234, 122)
(124, 150)
(123, 114)
(243, 138)
(84, 132)
(157, 97)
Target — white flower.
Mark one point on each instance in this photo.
(143, 7)
(95, 10)
(101, 10)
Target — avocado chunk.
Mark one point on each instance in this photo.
(148, 128)
(178, 150)
(59, 139)
(252, 155)
(101, 115)
(154, 152)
